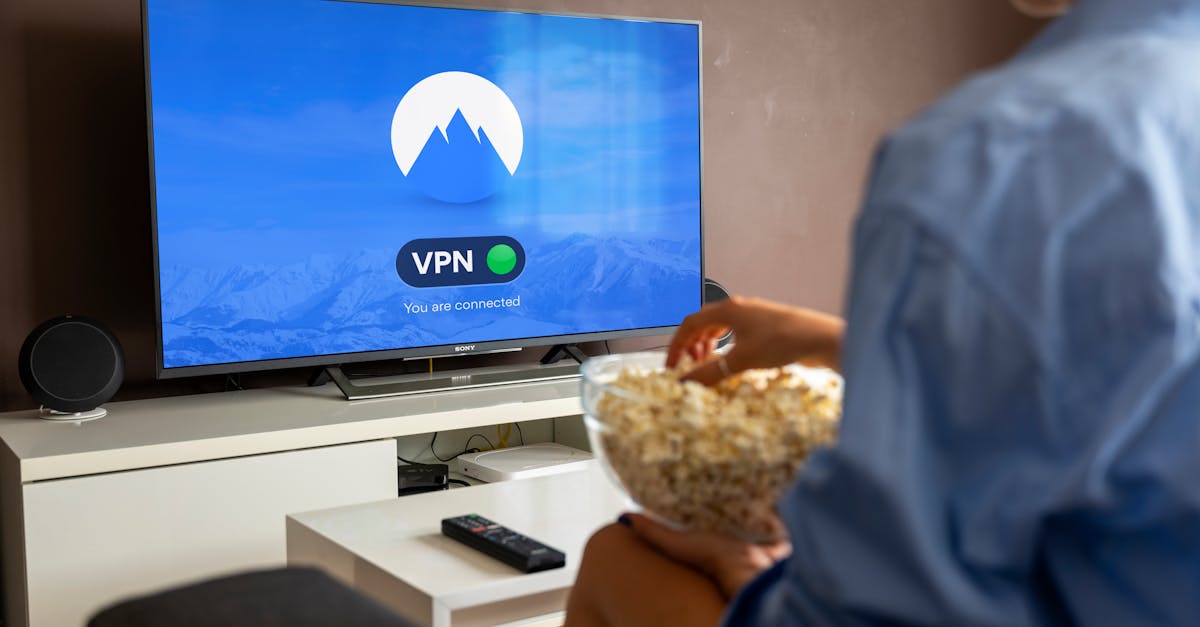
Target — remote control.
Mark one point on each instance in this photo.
(519, 551)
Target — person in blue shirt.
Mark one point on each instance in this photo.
(1020, 442)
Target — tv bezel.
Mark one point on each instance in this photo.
(420, 352)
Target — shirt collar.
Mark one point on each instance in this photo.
(1093, 18)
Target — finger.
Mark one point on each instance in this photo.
(710, 372)
(702, 348)
(697, 548)
(705, 344)
(779, 550)
(697, 350)
(779, 531)
(681, 342)
(639, 521)
(688, 353)
(657, 534)
(707, 373)
(693, 327)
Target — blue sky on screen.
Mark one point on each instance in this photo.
(274, 116)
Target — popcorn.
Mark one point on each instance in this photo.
(715, 458)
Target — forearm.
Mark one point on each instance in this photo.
(816, 338)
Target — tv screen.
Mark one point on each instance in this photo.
(340, 181)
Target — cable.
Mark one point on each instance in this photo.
(607, 348)
(459, 482)
(520, 433)
(491, 447)
(467, 448)
(409, 462)
(434, 451)
(503, 434)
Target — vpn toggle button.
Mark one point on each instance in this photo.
(456, 261)
(501, 259)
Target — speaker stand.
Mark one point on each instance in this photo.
(63, 416)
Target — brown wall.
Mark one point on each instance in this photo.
(796, 94)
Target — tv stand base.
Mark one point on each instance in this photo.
(558, 351)
(378, 387)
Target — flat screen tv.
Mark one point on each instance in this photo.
(342, 181)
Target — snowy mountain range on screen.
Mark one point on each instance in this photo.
(328, 305)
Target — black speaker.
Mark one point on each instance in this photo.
(71, 365)
(714, 292)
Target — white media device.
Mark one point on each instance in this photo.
(519, 462)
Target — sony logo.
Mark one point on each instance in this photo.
(464, 348)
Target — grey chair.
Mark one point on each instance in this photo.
(296, 597)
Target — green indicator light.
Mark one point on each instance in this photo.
(501, 259)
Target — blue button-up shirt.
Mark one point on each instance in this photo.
(1021, 435)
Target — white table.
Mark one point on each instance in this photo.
(395, 552)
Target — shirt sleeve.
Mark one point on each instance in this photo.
(936, 370)
(1019, 442)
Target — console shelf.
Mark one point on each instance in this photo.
(183, 429)
(169, 490)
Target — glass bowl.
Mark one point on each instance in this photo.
(714, 459)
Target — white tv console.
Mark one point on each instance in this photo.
(165, 491)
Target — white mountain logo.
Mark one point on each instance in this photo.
(457, 137)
